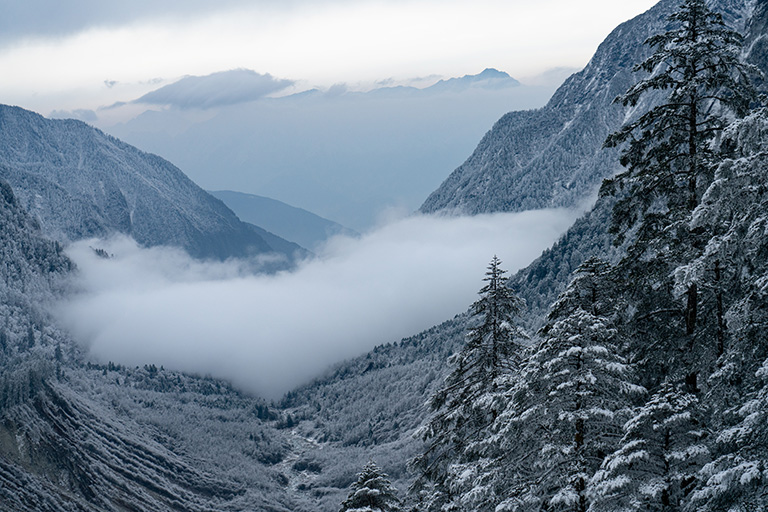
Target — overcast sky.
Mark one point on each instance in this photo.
(88, 53)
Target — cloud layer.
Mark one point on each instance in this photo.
(268, 334)
(216, 90)
(53, 18)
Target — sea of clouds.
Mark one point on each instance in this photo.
(270, 333)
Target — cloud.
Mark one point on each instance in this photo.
(54, 18)
(551, 77)
(215, 90)
(89, 116)
(268, 334)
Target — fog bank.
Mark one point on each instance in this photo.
(268, 334)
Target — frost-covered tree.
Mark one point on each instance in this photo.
(372, 492)
(670, 155)
(580, 390)
(737, 481)
(473, 393)
(669, 151)
(491, 347)
(735, 208)
(565, 410)
(656, 467)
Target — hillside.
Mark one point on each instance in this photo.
(553, 156)
(81, 437)
(288, 222)
(81, 183)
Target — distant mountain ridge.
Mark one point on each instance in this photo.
(342, 154)
(81, 183)
(489, 78)
(553, 156)
(286, 221)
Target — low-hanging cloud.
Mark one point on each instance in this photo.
(216, 90)
(269, 333)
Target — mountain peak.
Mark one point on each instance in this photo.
(491, 73)
(489, 78)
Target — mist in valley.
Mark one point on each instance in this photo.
(270, 333)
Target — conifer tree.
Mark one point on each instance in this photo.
(670, 157)
(669, 147)
(736, 206)
(656, 467)
(579, 391)
(473, 393)
(565, 410)
(372, 492)
(738, 479)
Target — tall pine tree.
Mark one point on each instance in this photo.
(669, 147)
(472, 394)
(670, 157)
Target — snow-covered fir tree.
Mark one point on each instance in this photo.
(372, 492)
(734, 208)
(473, 393)
(670, 157)
(737, 481)
(656, 466)
(565, 408)
(579, 391)
(669, 151)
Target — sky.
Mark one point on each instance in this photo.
(270, 333)
(84, 54)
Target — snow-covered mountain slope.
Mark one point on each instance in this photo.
(80, 183)
(553, 156)
(79, 437)
(291, 223)
(757, 36)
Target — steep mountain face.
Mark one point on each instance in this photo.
(295, 224)
(553, 156)
(28, 258)
(757, 36)
(80, 183)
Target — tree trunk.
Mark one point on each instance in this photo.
(691, 309)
